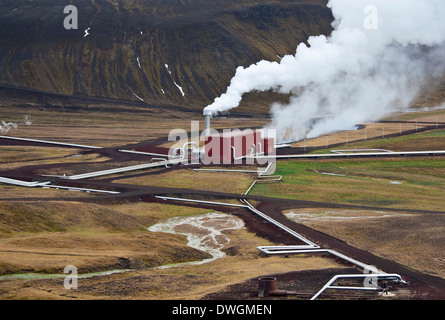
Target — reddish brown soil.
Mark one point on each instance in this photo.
(422, 286)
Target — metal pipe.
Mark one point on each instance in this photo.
(207, 116)
(251, 208)
(265, 170)
(51, 142)
(23, 183)
(202, 201)
(226, 170)
(161, 159)
(352, 155)
(310, 247)
(360, 150)
(144, 153)
(266, 285)
(279, 225)
(271, 178)
(234, 154)
(260, 173)
(80, 189)
(394, 276)
(47, 185)
(315, 249)
(122, 170)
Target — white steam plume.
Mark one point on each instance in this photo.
(375, 61)
(27, 121)
(6, 126)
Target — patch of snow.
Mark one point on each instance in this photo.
(138, 97)
(180, 88)
(166, 67)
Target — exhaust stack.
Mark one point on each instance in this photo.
(207, 115)
(267, 287)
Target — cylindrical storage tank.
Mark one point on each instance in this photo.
(266, 285)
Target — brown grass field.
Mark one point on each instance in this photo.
(415, 240)
(43, 236)
(378, 131)
(96, 238)
(221, 181)
(12, 157)
(97, 127)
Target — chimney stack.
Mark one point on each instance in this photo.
(207, 115)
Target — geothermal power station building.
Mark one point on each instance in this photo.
(235, 145)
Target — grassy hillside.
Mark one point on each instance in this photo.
(46, 236)
(173, 52)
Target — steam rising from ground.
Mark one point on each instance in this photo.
(5, 127)
(375, 61)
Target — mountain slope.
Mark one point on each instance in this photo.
(175, 52)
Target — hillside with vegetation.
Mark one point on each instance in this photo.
(165, 53)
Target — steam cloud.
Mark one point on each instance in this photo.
(5, 127)
(375, 61)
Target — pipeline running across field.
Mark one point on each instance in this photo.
(371, 274)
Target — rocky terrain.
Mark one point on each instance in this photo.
(175, 52)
